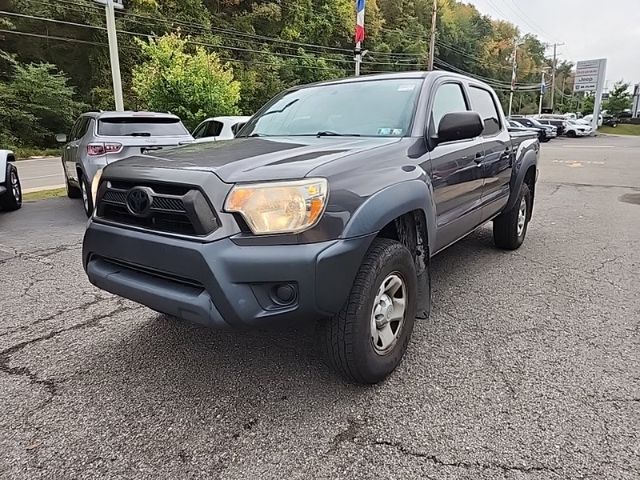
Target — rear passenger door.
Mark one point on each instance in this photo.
(455, 173)
(496, 141)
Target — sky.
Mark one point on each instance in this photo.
(589, 29)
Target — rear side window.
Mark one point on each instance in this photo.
(140, 127)
(80, 128)
(483, 103)
(448, 99)
(211, 128)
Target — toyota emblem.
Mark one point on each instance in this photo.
(139, 201)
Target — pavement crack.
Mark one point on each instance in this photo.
(349, 434)
(48, 384)
(405, 450)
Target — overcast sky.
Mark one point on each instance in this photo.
(589, 29)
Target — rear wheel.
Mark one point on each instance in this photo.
(85, 190)
(12, 198)
(367, 339)
(510, 228)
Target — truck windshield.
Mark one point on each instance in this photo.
(141, 127)
(376, 108)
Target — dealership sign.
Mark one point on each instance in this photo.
(589, 75)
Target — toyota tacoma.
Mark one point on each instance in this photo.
(328, 205)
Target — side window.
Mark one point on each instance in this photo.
(482, 102)
(200, 131)
(448, 99)
(214, 129)
(81, 127)
(236, 128)
(74, 129)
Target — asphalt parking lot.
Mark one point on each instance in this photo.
(529, 367)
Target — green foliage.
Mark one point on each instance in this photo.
(35, 104)
(619, 98)
(191, 83)
(187, 68)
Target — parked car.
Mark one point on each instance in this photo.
(610, 121)
(100, 138)
(219, 128)
(589, 118)
(540, 132)
(577, 129)
(554, 122)
(549, 131)
(10, 188)
(328, 205)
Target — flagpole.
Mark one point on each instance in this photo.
(359, 37)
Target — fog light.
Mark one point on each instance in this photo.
(284, 294)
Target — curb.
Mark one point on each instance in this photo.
(42, 189)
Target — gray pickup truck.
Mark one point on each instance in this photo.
(329, 205)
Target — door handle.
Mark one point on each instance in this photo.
(478, 158)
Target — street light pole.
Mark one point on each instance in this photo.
(109, 7)
(432, 40)
(553, 73)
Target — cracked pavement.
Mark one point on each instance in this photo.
(528, 368)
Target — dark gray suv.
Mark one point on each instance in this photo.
(100, 138)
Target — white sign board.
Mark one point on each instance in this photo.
(589, 74)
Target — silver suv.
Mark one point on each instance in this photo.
(99, 138)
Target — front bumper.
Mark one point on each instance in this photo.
(222, 284)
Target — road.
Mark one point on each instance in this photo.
(527, 369)
(41, 173)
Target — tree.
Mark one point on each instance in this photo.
(35, 104)
(619, 98)
(191, 83)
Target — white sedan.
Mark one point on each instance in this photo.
(219, 128)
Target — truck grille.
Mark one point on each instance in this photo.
(166, 208)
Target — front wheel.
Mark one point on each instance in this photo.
(367, 339)
(510, 227)
(12, 198)
(571, 134)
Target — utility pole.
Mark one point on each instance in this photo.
(542, 88)
(513, 73)
(432, 40)
(360, 4)
(553, 73)
(109, 7)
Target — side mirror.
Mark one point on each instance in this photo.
(459, 126)
(61, 138)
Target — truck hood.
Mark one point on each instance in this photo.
(258, 159)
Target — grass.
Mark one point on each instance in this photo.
(23, 153)
(622, 129)
(43, 194)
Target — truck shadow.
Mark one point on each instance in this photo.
(281, 359)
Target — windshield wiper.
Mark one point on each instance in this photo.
(138, 134)
(329, 133)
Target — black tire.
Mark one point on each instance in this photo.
(505, 226)
(348, 340)
(12, 198)
(72, 191)
(571, 134)
(85, 189)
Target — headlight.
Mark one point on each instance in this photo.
(94, 185)
(279, 207)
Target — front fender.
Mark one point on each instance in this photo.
(392, 202)
(5, 157)
(526, 156)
